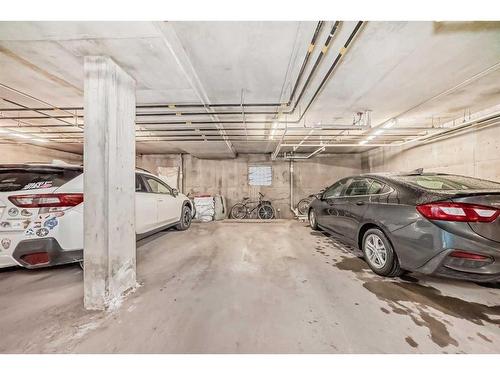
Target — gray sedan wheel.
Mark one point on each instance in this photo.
(312, 220)
(379, 254)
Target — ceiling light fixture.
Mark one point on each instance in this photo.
(389, 124)
(273, 130)
(13, 133)
(20, 135)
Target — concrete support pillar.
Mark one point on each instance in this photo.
(109, 183)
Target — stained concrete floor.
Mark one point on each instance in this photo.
(230, 287)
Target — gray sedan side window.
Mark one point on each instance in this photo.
(335, 190)
(366, 186)
(375, 188)
(359, 186)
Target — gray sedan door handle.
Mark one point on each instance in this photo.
(360, 203)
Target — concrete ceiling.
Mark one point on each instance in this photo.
(391, 68)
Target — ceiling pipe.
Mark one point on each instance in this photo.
(437, 96)
(312, 72)
(327, 76)
(150, 114)
(316, 93)
(243, 113)
(310, 49)
(486, 120)
(18, 92)
(491, 119)
(184, 127)
(345, 145)
(323, 52)
(239, 137)
(57, 118)
(291, 156)
(458, 86)
(302, 70)
(276, 151)
(174, 45)
(483, 122)
(309, 134)
(304, 87)
(173, 106)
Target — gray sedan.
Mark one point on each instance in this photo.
(439, 224)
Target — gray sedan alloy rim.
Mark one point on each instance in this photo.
(375, 251)
(312, 219)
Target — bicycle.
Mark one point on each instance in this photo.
(246, 208)
(303, 205)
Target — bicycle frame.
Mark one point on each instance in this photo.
(247, 203)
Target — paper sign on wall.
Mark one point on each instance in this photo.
(260, 175)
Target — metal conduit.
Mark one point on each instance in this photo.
(310, 49)
(291, 111)
(304, 87)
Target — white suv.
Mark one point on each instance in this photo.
(41, 212)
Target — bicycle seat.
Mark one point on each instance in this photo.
(246, 198)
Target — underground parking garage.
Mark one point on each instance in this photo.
(300, 187)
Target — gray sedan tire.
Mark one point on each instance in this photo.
(312, 220)
(379, 254)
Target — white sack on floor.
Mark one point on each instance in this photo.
(205, 208)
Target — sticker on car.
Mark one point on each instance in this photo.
(6, 243)
(42, 232)
(25, 213)
(38, 185)
(51, 223)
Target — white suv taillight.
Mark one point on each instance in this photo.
(47, 200)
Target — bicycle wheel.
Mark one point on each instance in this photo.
(238, 211)
(265, 212)
(303, 206)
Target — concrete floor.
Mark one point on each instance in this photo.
(231, 287)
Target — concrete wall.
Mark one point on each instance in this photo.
(476, 154)
(229, 177)
(21, 153)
